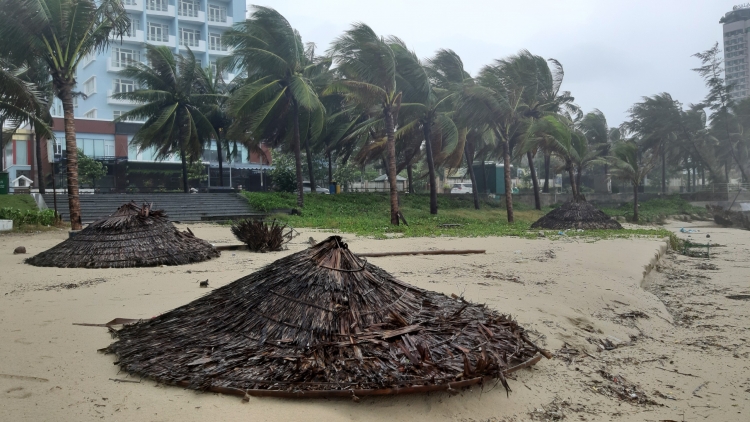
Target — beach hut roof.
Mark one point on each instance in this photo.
(576, 215)
(324, 322)
(133, 236)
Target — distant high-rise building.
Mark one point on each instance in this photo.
(736, 52)
(177, 24)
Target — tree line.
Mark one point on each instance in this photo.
(367, 98)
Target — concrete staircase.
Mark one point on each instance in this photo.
(178, 206)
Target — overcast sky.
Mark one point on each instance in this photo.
(613, 52)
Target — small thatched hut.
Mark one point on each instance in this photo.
(131, 237)
(323, 322)
(576, 215)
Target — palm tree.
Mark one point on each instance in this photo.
(170, 106)
(425, 113)
(632, 165)
(275, 99)
(211, 83)
(370, 67)
(62, 33)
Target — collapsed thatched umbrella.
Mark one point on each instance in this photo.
(576, 215)
(323, 322)
(131, 237)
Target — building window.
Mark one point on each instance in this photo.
(189, 37)
(96, 148)
(214, 42)
(189, 8)
(56, 109)
(217, 13)
(123, 85)
(87, 59)
(122, 57)
(89, 87)
(130, 3)
(157, 5)
(158, 32)
(91, 114)
(135, 24)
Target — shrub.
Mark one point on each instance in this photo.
(20, 218)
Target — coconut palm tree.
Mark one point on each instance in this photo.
(211, 83)
(632, 165)
(276, 99)
(369, 64)
(62, 33)
(170, 105)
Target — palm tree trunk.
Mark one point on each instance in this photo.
(635, 203)
(688, 179)
(469, 153)
(578, 182)
(330, 170)
(663, 171)
(508, 186)
(39, 172)
(185, 187)
(310, 170)
(573, 189)
(221, 158)
(74, 204)
(547, 162)
(297, 156)
(391, 153)
(534, 181)
(485, 188)
(430, 169)
(410, 176)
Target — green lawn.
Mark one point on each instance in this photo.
(20, 202)
(367, 214)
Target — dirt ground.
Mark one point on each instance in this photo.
(670, 346)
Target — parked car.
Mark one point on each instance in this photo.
(462, 188)
(318, 189)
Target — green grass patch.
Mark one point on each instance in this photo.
(657, 210)
(368, 214)
(19, 202)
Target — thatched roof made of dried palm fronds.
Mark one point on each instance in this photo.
(131, 237)
(323, 322)
(576, 215)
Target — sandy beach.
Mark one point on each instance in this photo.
(638, 333)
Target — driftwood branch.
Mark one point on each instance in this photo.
(439, 252)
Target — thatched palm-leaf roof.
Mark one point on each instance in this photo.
(576, 215)
(131, 237)
(323, 322)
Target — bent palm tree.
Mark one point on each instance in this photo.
(174, 121)
(370, 64)
(627, 165)
(62, 33)
(276, 98)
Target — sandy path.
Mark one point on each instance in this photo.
(564, 292)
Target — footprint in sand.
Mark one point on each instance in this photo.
(17, 393)
(23, 341)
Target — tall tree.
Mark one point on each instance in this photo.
(632, 165)
(62, 33)
(170, 105)
(370, 64)
(276, 99)
(719, 98)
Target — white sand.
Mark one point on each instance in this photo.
(564, 291)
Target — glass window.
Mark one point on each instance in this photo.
(217, 13)
(122, 57)
(135, 24)
(189, 37)
(22, 152)
(123, 85)
(214, 42)
(157, 5)
(189, 8)
(91, 114)
(109, 148)
(130, 3)
(89, 87)
(98, 147)
(158, 32)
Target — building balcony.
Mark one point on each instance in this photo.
(200, 18)
(219, 51)
(136, 36)
(170, 12)
(170, 43)
(226, 24)
(114, 101)
(200, 48)
(134, 5)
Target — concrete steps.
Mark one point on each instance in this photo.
(178, 206)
